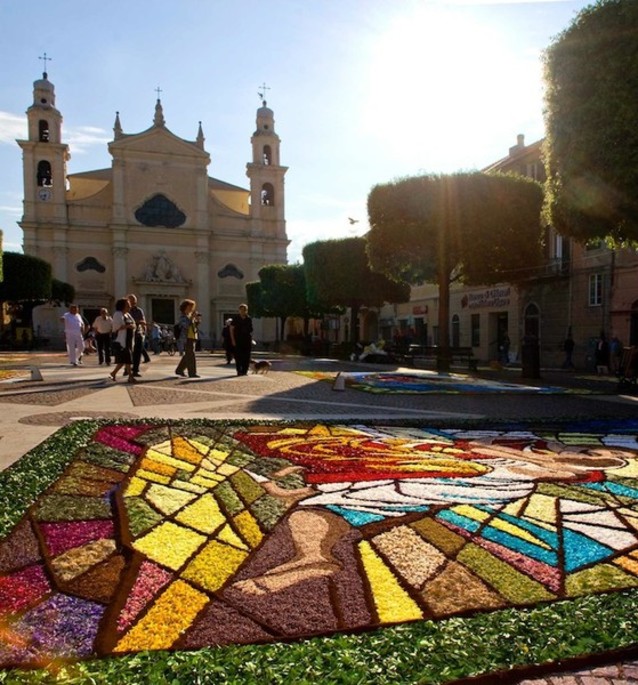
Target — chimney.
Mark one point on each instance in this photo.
(520, 145)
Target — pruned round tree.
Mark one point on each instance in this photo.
(591, 117)
(26, 278)
(475, 228)
(338, 274)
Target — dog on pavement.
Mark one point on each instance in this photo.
(262, 366)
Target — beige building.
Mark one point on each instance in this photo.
(154, 222)
(580, 289)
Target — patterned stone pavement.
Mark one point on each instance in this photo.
(31, 410)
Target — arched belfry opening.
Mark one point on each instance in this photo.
(267, 156)
(43, 131)
(44, 175)
(267, 195)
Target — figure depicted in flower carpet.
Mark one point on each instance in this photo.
(169, 537)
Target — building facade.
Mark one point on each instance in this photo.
(154, 223)
(580, 290)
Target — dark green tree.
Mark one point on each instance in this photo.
(280, 293)
(475, 228)
(62, 292)
(26, 278)
(591, 117)
(338, 274)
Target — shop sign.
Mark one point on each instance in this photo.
(494, 298)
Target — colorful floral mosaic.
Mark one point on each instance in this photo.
(431, 383)
(179, 537)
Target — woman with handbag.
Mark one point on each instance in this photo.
(188, 334)
(122, 346)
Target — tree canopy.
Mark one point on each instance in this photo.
(338, 274)
(26, 278)
(591, 117)
(476, 228)
(280, 292)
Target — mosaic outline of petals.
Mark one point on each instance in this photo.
(189, 535)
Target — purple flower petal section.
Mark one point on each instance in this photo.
(61, 627)
(121, 438)
(61, 537)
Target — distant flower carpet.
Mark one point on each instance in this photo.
(416, 383)
(190, 535)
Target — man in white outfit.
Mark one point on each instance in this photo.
(74, 334)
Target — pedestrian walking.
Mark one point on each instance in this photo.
(124, 329)
(140, 331)
(74, 330)
(227, 342)
(188, 335)
(103, 328)
(241, 337)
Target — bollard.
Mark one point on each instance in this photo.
(35, 374)
(340, 382)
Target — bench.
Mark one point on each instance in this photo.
(457, 354)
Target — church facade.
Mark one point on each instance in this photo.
(154, 223)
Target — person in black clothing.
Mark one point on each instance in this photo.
(140, 331)
(226, 341)
(241, 337)
(568, 348)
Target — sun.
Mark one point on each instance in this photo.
(439, 77)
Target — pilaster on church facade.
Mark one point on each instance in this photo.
(155, 222)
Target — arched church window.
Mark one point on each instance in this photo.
(43, 128)
(267, 155)
(267, 195)
(45, 177)
(160, 211)
(90, 264)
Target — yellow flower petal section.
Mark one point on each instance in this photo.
(542, 508)
(169, 617)
(169, 460)
(153, 477)
(168, 500)
(228, 535)
(214, 565)
(135, 487)
(169, 544)
(392, 602)
(248, 528)
(204, 515)
(471, 512)
(186, 450)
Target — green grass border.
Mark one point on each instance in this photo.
(424, 653)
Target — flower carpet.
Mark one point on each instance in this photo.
(193, 534)
(427, 382)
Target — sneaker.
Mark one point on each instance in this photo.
(195, 375)
(137, 375)
(180, 373)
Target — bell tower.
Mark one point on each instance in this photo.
(44, 159)
(267, 175)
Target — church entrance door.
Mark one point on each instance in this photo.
(163, 310)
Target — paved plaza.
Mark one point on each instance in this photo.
(31, 410)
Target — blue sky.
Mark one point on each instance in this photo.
(363, 91)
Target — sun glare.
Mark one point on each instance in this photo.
(438, 78)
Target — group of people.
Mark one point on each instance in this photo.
(607, 354)
(122, 337)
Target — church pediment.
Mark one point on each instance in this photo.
(157, 140)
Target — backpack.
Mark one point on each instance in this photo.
(177, 330)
